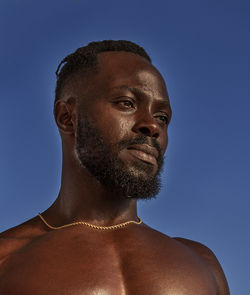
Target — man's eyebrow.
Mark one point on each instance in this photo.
(125, 87)
(137, 91)
(163, 103)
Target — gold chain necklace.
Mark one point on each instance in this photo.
(91, 225)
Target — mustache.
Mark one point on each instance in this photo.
(140, 139)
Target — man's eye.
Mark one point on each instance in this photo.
(163, 119)
(126, 103)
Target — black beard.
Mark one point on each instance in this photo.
(102, 161)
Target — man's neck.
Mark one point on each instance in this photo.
(83, 198)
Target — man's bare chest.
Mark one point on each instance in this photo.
(89, 263)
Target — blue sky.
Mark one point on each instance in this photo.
(202, 50)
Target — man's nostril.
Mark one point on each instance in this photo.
(148, 132)
(145, 130)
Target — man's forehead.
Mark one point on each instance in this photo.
(129, 69)
(124, 63)
(124, 71)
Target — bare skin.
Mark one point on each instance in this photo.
(135, 259)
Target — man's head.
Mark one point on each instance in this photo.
(114, 113)
(84, 60)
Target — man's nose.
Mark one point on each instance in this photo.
(147, 125)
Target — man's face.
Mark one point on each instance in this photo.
(122, 125)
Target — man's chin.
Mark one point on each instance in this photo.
(138, 185)
(141, 175)
(137, 167)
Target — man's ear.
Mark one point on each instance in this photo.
(65, 115)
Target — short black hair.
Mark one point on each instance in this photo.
(85, 58)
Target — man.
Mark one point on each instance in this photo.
(112, 111)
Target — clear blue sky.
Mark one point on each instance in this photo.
(202, 48)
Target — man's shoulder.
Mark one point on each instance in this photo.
(184, 244)
(11, 240)
(209, 257)
(200, 249)
(194, 250)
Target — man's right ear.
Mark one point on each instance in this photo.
(65, 116)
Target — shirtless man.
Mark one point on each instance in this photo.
(112, 111)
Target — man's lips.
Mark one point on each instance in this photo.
(144, 152)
